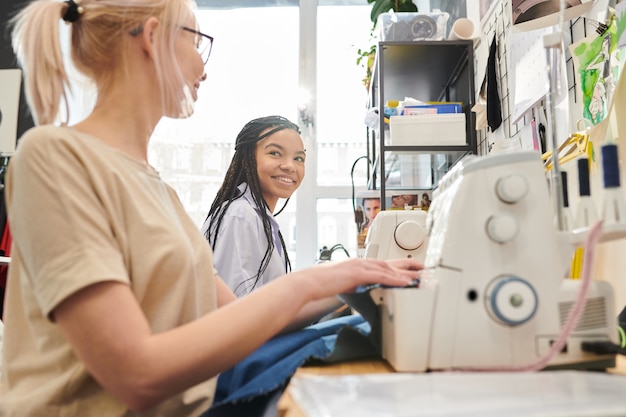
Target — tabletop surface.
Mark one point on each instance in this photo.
(287, 407)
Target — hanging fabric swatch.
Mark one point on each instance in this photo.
(494, 107)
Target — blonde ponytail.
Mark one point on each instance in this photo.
(99, 32)
(35, 40)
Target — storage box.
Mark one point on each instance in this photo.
(409, 26)
(432, 109)
(428, 130)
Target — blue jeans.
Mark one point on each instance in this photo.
(248, 387)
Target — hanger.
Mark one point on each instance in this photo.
(575, 145)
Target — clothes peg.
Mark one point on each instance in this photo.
(602, 27)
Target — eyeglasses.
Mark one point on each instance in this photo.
(204, 43)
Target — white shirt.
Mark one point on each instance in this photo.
(241, 244)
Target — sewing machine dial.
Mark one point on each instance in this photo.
(502, 228)
(409, 235)
(511, 188)
(511, 300)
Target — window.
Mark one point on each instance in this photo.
(252, 72)
(255, 70)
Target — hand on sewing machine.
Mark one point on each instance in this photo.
(365, 272)
(396, 263)
(405, 263)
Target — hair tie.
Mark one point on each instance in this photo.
(73, 11)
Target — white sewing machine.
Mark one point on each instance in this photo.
(494, 292)
(397, 234)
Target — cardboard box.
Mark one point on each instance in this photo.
(447, 129)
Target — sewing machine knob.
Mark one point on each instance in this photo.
(409, 235)
(502, 228)
(512, 300)
(511, 188)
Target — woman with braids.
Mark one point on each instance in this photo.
(268, 165)
(113, 307)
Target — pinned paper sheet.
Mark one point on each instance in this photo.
(529, 78)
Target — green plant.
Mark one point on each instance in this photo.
(365, 58)
(383, 6)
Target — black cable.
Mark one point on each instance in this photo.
(602, 347)
(326, 254)
(337, 247)
(622, 318)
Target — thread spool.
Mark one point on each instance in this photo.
(613, 210)
(610, 166)
(584, 188)
(612, 265)
(586, 213)
(565, 193)
(565, 211)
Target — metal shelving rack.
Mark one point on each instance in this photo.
(426, 70)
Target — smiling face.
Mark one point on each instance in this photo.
(280, 165)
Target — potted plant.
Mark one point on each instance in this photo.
(383, 6)
(365, 56)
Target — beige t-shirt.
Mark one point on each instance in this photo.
(82, 212)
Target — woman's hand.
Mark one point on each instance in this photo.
(332, 278)
(405, 264)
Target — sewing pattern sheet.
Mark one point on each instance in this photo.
(530, 79)
(597, 66)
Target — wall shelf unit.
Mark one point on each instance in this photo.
(429, 71)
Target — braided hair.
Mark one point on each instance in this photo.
(243, 168)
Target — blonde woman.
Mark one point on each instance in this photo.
(113, 307)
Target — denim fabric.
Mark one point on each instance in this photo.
(249, 386)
